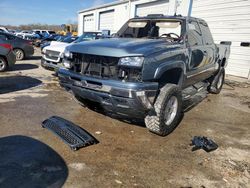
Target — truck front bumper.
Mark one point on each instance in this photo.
(123, 98)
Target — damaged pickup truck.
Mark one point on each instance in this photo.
(153, 64)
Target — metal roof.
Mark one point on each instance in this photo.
(103, 6)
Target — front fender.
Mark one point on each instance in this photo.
(169, 65)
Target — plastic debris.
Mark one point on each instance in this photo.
(204, 143)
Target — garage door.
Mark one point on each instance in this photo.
(88, 23)
(229, 21)
(106, 20)
(158, 7)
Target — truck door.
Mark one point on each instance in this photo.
(209, 50)
(197, 53)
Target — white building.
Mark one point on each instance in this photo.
(229, 20)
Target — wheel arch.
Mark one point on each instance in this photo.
(171, 73)
(4, 59)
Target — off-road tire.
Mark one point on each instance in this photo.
(3, 64)
(155, 119)
(216, 82)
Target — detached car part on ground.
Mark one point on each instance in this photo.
(149, 70)
(7, 57)
(22, 48)
(52, 55)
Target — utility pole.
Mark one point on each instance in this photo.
(190, 8)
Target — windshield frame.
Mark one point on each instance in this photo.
(182, 23)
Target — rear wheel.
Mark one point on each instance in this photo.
(217, 81)
(19, 54)
(167, 111)
(3, 64)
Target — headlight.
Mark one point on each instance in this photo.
(131, 61)
(66, 63)
(43, 51)
(67, 54)
(61, 55)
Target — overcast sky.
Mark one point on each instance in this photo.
(16, 12)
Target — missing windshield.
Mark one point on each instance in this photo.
(169, 29)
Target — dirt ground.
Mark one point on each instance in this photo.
(127, 155)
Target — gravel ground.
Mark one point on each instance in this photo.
(127, 155)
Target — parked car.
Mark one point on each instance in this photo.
(12, 31)
(52, 55)
(24, 34)
(44, 40)
(155, 64)
(60, 38)
(7, 56)
(4, 29)
(21, 47)
(39, 31)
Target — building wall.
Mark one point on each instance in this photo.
(229, 20)
(121, 16)
(123, 12)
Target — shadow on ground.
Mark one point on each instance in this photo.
(187, 106)
(34, 57)
(20, 67)
(26, 162)
(193, 101)
(16, 83)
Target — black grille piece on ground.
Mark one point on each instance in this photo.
(70, 133)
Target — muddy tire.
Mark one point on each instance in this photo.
(3, 64)
(216, 82)
(19, 54)
(167, 112)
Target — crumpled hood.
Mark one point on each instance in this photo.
(120, 47)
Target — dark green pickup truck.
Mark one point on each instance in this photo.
(147, 70)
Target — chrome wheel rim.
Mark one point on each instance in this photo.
(19, 54)
(2, 64)
(171, 110)
(220, 81)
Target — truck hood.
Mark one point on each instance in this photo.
(121, 47)
(58, 46)
(57, 43)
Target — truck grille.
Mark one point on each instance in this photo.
(53, 55)
(103, 67)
